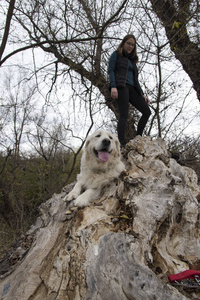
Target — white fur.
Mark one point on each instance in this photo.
(95, 173)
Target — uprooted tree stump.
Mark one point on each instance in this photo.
(143, 228)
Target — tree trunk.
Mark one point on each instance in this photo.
(174, 21)
(143, 228)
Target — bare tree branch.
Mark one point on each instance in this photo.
(47, 49)
(7, 27)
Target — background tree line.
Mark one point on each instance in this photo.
(54, 88)
(25, 183)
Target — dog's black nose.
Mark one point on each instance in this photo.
(106, 142)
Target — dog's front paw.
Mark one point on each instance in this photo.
(81, 201)
(71, 196)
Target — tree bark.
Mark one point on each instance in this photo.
(174, 20)
(144, 227)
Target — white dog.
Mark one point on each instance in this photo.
(100, 163)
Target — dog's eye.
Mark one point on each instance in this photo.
(110, 137)
(98, 135)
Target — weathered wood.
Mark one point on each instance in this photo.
(143, 228)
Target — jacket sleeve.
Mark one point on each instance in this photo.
(111, 69)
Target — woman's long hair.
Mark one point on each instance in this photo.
(133, 54)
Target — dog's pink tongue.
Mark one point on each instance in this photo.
(104, 156)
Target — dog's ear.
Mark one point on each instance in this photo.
(86, 150)
(87, 143)
(117, 144)
(118, 148)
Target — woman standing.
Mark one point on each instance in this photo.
(125, 88)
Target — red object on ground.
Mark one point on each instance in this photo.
(184, 275)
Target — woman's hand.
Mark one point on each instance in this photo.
(146, 99)
(114, 93)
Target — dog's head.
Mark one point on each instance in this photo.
(103, 144)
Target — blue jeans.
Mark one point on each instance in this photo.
(126, 95)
